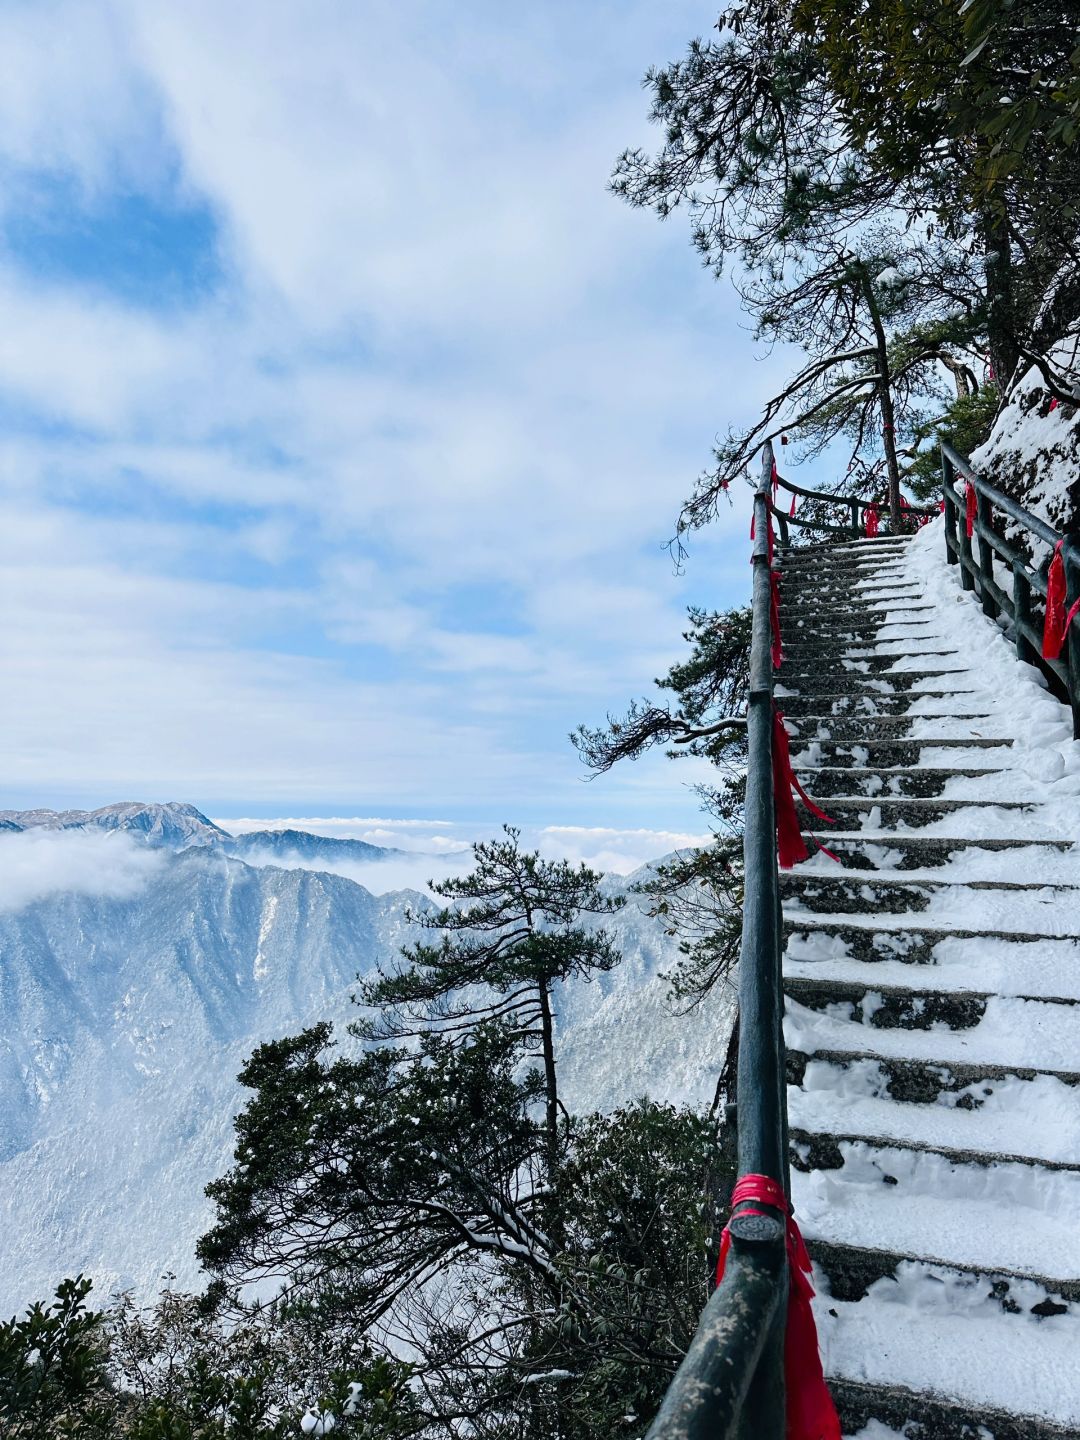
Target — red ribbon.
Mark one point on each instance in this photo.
(1053, 405)
(774, 620)
(972, 505)
(1057, 621)
(791, 512)
(790, 845)
(873, 519)
(811, 1414)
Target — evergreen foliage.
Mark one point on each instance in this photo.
(696, 894)
(894, 183)
(431, 1190)
(172, 1371)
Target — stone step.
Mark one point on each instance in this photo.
(857, 812)
(848, 660)
(846, 655)
(845, 615)
(889, 851)
(982, 1215)
(855, 682)
(816, 1150)
(840, 892)
(870, 546)
(905, 1412)
(915, 1081)
(919, 782)
(994, 1111)
(813, 599)
(914, 943)
(866, 728)
(894, 754)
(888, 1007)
(1047, 969)
(847, 580)
(920, 705)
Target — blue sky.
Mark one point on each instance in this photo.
(344, 412)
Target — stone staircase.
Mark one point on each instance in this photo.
(932, 983)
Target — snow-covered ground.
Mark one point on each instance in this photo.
(979, 1187)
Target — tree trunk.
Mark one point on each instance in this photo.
(551, 1086)
(1000, 308)
(884, 391)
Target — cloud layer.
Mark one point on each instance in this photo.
(37, 864)
(357, 497)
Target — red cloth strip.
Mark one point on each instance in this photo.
(972, 507)
(1057, 621)
(811, 1414)
(790, 845)
(873, 520)
(791, 512)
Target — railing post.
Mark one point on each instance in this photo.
(1070, 554)
(854, 519)
(947, 483)
(1021, 595)
(986, 554)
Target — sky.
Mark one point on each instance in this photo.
(344, 413)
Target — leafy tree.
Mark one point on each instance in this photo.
(53, 1373)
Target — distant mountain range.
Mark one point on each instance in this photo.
(124, 1021)
(176, 826)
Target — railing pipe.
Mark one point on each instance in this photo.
(730, 1385)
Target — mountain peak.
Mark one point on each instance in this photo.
(173, 823)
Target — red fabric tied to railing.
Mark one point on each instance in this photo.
(791, 511)
(811, 1414)
(790, 845)
(1058, 619)
(872, 518)
(972, 509)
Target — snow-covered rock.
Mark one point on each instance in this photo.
(1033, 453)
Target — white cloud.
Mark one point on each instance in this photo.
(442, 361)
(441, 847)
(37, 864)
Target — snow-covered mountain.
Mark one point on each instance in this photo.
(176, 826)
(292, 846)
(126, 1012)
(172, 824)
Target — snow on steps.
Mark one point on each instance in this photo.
(933, 1002)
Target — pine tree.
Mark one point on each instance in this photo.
(510, 935)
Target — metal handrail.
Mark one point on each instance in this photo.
(978, 575)
(852, 530)
(731, 1381)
